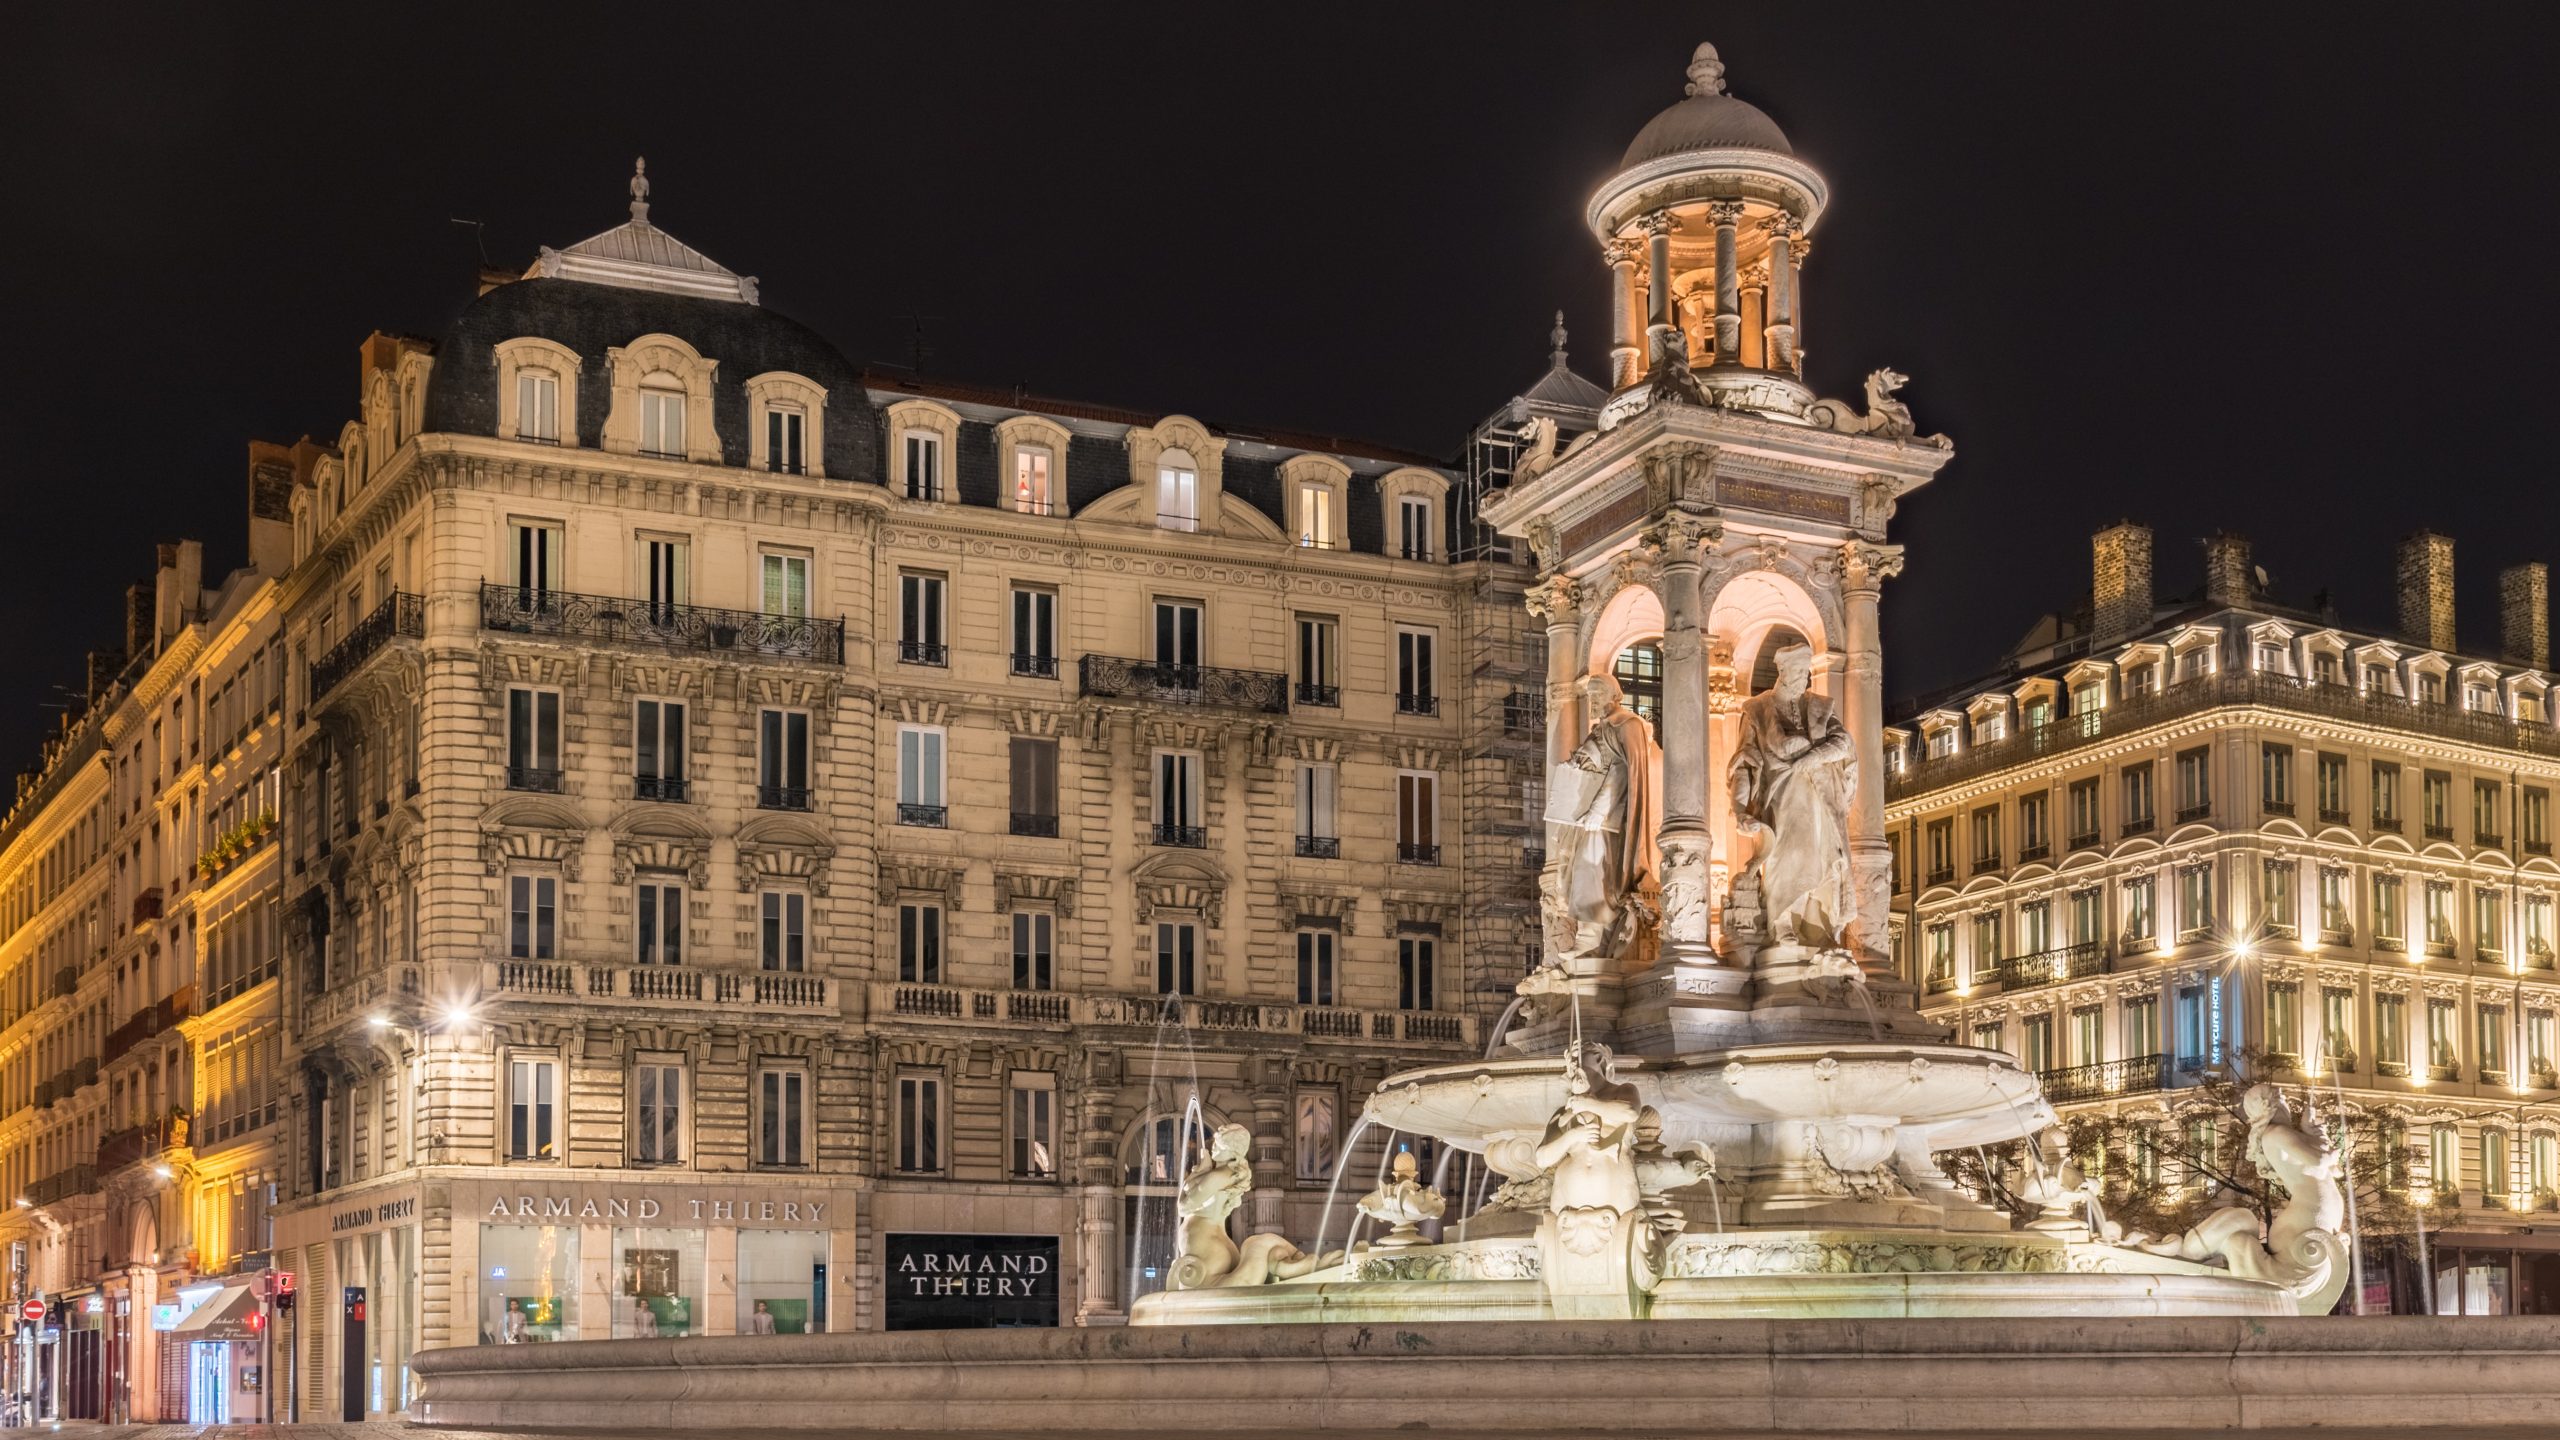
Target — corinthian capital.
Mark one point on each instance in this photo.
(1622, 252)
(1660, 222)
(1781, 226)
(1864, 566)
(1725, 212)
(1556, 600)
(1676, 539)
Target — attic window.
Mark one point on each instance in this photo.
(1316, 527)
(785, 425)
(538, 406)
(1031, 481)
(1178, 497)
(662, 401)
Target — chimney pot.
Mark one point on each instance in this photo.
(2228, 578)
(2425, 575)
(2524, 614)
(2119, 583)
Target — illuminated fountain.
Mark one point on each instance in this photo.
(1720, 1101)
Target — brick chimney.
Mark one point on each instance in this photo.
(2228, 577)
(2119, 583)
(2524, 614)
(2426, 590)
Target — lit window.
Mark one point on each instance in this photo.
(533, 1109)
(662, 405)
(1413, 527)
(1315, 517)
(1178, 498)
(782, 1116)
(1031, 481)
(1031, 1127)
(538, 406)
(1638, 672)
(657, 1113)
(786, 585)
(1316, 1112)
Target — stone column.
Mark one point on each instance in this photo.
(1798, 252)
(1099, 1242)
(1686, 849)
(1781, 343)
(1660, 317)
(1755, 331)
(1727, 215)
(1626, 329)
(1557, 601)
(1864, 568)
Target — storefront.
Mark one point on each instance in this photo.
(951, 1258)
(363, 1246)
(215, 1334)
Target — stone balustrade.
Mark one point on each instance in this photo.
(687, 986)
(1198, 1015)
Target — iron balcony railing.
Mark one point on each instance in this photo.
(2137, 1076)
(398, 614)
(1310, 693)
(658, 787)
(2046, 967)
(534, 777)
(2237, 687)
(782, 797)
(1414, 852)
(1026, 823)
(1417, 704)
(1188, 837)
(930, 817)
(1038, 667)
(522, 610)
(1112, 677)
(923, 652)
(1320, 847)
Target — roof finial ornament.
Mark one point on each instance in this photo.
(1555, 337)
(640, 189)
(1706, 72)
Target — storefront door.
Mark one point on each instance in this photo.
(209, 1383)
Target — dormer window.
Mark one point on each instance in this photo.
(2325, 669)
(1031, 480)
(1942, 743)
(2272, 659)
(2480, 699)
(662, 402)
(785, 429)
(1177, 496)
(538, 405)
(1414, 527)
(1317, 523)
(924, 465)
(2430, 689)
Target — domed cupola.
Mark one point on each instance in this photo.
(1704, 229)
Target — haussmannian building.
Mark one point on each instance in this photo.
(2227, 835)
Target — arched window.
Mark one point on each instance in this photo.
(1639, 674)
(538, 405)
(662, 401)
(1764, 666)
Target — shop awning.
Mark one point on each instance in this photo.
(224, 1317)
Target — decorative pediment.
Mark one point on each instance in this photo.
(1043, 723)
(656, 677)
(500, 668)
(1423, 911)
(921, 877)
(792, 692)
(1320, 749)
(1312, 903)
(1014, 887)
(783, 863)
(503, 847)
(920, 710)
(1181, 895)
(633, 854)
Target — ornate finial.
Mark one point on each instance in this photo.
(640, 190)
(1706, 72)
(1555, 337)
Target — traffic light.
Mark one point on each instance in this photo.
(284, 1300)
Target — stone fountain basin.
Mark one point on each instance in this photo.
(1953, 1095)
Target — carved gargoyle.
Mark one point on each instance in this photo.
(1886, 418)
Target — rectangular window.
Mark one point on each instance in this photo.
(1035, 632)
(533, 1109)
(2537, 927)
(533, 560)
(2386, 910)
(920, 776)
(2435, 793)
(1177, 799)
(2195, 900)
(1417, 682)
(662, 423)
(1418, 817)
(2444, 1036)
(782, 440)
(533, 739)
(2326, 669)
(2337, 914)
(1315, 517)
(2536, 812)
(2488, 798)
(1986, 838)
(1316, 1111)
(1316, 682)
(2284, 1017)
(1177, 957)
(2036, 1031)
(1417, 956)
(1034, 938)
(2141, 910)
(920, 620)
(2332, 797)
(1942, 953)
(920, 944)
(1413, 527)
(1315, 967)
(1177, 498)
(785, 940)
(2138, 814)
(2141, 680)
(2440, 915)
(2491, 1021)
(657, 1113)
(658, 753)
(1941, 838)
(2142, 1027)
(1031, 1127)
(1031, 481)
(533, 907)
(658, 915)
(782, 1116)
(2275, 779)
(2088, 917)
(2278, 897)
(785, 585)
(1034, 785)
(924, 466)
(2488, 927)
(2386, 795)
(1318, 783)
(2391, 1031)
(538, 406)
(2035, 927)
(2195, 783)
(1177, 644)
(782, 760)
(2035, 831)
(1986, 1035)
(2192, 1038)
(2338, 1026)
(1986, 943)
(2084, 813)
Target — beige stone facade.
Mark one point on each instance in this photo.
(2236, 838)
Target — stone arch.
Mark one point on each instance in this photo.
(1633, 613)
(1744, 608)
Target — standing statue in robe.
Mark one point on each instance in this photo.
(1604, 804)
(1794, 771)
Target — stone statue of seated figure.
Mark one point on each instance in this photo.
(1206, 1257)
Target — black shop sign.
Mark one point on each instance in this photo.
(972, 1282)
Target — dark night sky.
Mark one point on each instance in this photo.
(2277, 269)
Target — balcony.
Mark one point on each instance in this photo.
(1320, 847)
(63, 1184)
(1326, 696)
(2139, 825)
(513, 610)
(1043, 826)
(1942, 875)
(540, 780)
(2487, 840)
(2437, 832)
(2028, 853)
(1037, 667)
(1110, 677)
(141, 1142)
(2275, 807)
(1524, 713)
(1942, 982)
(782, 797)
(923, 652)
(2138, 1076)
(2048, 967)
(404, 616)
(2333, 817)
(2233, 687)
(1415, 852)
(658, 787)
(764, 991)
(147, 1022)
(1417, 704)
(1985, 864)
(2087, 840)
(929, 817)
(146, 905)
(2201, 810)
(1185, 837)
(961, 1005)
(2385, 825)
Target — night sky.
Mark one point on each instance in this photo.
(2275, 269)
